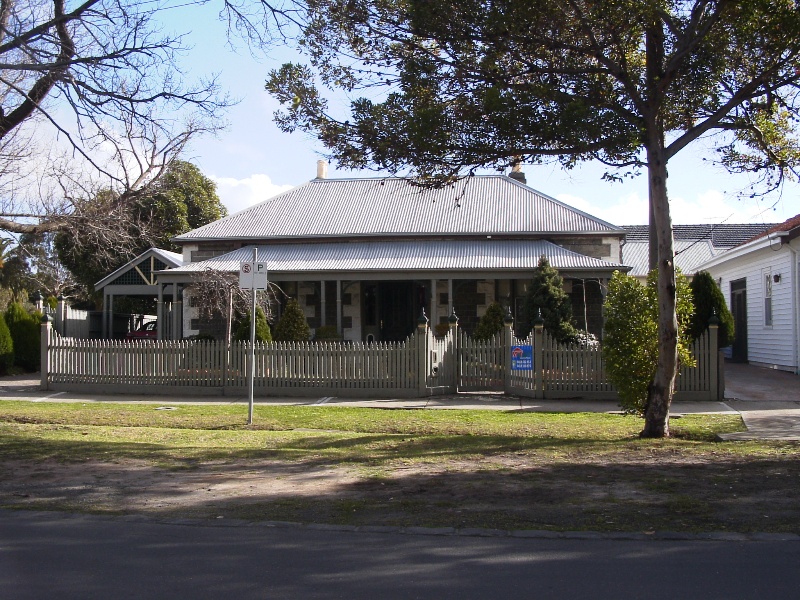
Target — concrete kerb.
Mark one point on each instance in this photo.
(655, 536)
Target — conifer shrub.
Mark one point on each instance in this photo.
(292, 326)
(490, 323)
(242, 330)
(546, 294)
(630, 344)
(6, 347)
(26, 336)
(708, 300)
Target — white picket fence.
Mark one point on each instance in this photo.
(422, 365)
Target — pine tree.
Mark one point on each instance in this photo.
(708, 300)
(546, 294)
(491, 322)
(263, 333)
(292, 326)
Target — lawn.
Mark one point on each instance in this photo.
(508, 470)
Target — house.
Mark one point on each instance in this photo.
(759, 279)
(694, 245)
(368, 255)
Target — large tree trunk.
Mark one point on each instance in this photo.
(662, 388)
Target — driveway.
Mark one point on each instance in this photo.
(767, 399)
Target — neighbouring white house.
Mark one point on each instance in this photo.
(762, 288)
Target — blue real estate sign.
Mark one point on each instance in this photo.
(522, 358)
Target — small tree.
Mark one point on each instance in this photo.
(25, 334)
(708, 300)
(6, 347)
(491, 322)
(292, 326)
(630, 345)
(546, 294)
(263, 333)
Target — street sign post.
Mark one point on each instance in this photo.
(253, 277)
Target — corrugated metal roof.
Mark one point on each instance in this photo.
(688, 256)
(404, 256)
(492, 204)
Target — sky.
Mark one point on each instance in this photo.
(252, 160)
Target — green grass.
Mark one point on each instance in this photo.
(434, 467)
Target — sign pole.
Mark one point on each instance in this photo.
(252, 357)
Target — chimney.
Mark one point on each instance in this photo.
(517, 174)
(322, 169)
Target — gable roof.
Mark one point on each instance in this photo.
(395, 207)
(468, 256)
(720, 236)
(170, 259)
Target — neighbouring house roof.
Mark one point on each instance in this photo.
(766, 239)
(154, 259)
(688, 256)
(720, 236)
(394, 207)
(471, 256)
(787, 225)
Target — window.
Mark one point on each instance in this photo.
(768, 299)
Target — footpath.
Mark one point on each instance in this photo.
(768, 401)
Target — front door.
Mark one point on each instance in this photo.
(739, 311)
(396, 310)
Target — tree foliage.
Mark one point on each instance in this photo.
(91, 98)
(491, 323)
(708, 300)
(630, 344)
(6, 347)
(24, 329)
(183, 199)
(546, 295)
(451, 87)
(292, 326)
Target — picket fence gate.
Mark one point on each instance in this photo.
(422, 365)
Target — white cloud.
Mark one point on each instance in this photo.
(627, 210)
(238, 194)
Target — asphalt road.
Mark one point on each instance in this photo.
(44, 555)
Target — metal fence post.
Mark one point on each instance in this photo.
(46, 334)
(452, 321)
(538, 353)
(713, 351)
(423, 360)
(508, 340)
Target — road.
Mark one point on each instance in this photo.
(50, 555)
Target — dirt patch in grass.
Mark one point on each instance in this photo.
(635, 491)
(407, 468)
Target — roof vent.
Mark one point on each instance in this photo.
(517, 174)
(322, 169)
